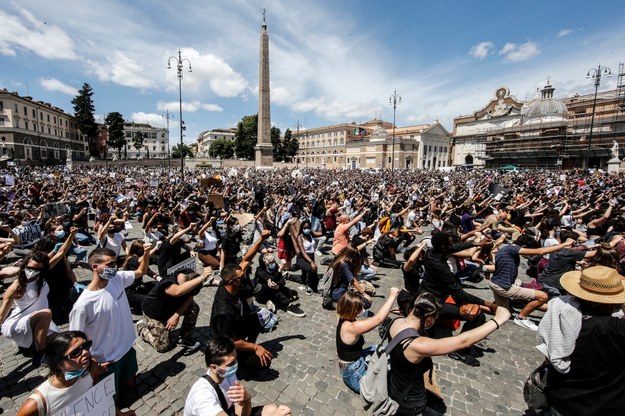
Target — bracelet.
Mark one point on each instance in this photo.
(493, 319)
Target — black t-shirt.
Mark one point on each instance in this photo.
(560, 262)
(412, 278)
(230, 315)
(231, 246)
(159, 305)
(170, 255)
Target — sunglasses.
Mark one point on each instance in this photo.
(79, 350)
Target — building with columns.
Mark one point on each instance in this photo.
(155, 142)
(35, 132)
(371, 145)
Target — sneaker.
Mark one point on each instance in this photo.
(271, 307)
(309, 290)
(189, 344)
(465, 358)
(526, 323)
(295, 310)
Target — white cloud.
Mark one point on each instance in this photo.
(190, 107)
(518, 53)
(334, 109)
(24, 31)
(53, 84)
(482, 50)
(121, 70)
(154, 120)
(564, 32)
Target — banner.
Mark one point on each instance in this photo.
(185, 266)
(98, 400)
(55, 209)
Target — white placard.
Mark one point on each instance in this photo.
(98, 400)
(9, 180)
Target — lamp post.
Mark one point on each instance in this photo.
(394, 100)
(179, 66)
(595, 73)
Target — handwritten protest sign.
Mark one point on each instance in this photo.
(185, 266)
(216, 199)
(98, 400)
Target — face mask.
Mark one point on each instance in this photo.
(70, 375)
(272, 267)
(306, 231)
(31, 273)
(108, 273)
(59, 234)
(229, 371)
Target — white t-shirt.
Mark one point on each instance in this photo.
(202, 399)
(115, 243)
(104, 315)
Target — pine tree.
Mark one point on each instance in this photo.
(83, 112)
(115, 123)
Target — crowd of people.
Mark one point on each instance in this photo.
(443, 230)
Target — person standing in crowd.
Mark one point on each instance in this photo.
(169, 299)
(585, 345)
(352, 358)
(72, 373)
(219, 392)
(30, 322)
(103, 313)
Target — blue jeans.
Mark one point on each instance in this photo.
(366, 272)
(354, 371)
(469, 268)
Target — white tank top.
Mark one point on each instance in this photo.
(210, 240)
(309, 246)
(57, 398)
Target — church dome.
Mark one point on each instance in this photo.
(546, 106)
(378, 134)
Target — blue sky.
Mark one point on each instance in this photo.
(331, 61)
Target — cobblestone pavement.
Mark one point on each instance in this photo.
(304, 375)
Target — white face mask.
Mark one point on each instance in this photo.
(31, 273)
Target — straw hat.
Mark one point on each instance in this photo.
(598, 284)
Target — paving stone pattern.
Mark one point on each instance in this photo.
(304, 374)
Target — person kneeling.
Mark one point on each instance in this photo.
(163, 306)
(219, 392)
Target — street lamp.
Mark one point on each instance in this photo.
(595, 73)
(179, 66)
(394, 100)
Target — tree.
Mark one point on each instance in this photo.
(245, 137)
(290, 146)
(115, 124)
(137, 141)
(186, 151)
(83, 112)
(278, 153)
(222, 148)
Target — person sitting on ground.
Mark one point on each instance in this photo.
(367, 271)
(341, 233)
(273, 290)
(73, 371)
(305, 259)
(585, 344)
(169, 299)
(352, 358)
(30, 323)
(385, 249)
(208, 245)
(346, 266)
(138, 289)
(412, 361)
(413, 273)
(507, 262)
(232, 316)
(219, 392)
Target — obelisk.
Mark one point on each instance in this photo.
(264, 148)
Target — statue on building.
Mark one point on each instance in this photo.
(501, 109)
(614, 150)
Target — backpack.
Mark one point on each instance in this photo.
(324, 287)
(374, 384)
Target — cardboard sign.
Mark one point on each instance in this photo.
(216, 199)
(98, 400)
(185, 266)
(9, 180)
(244, 219)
